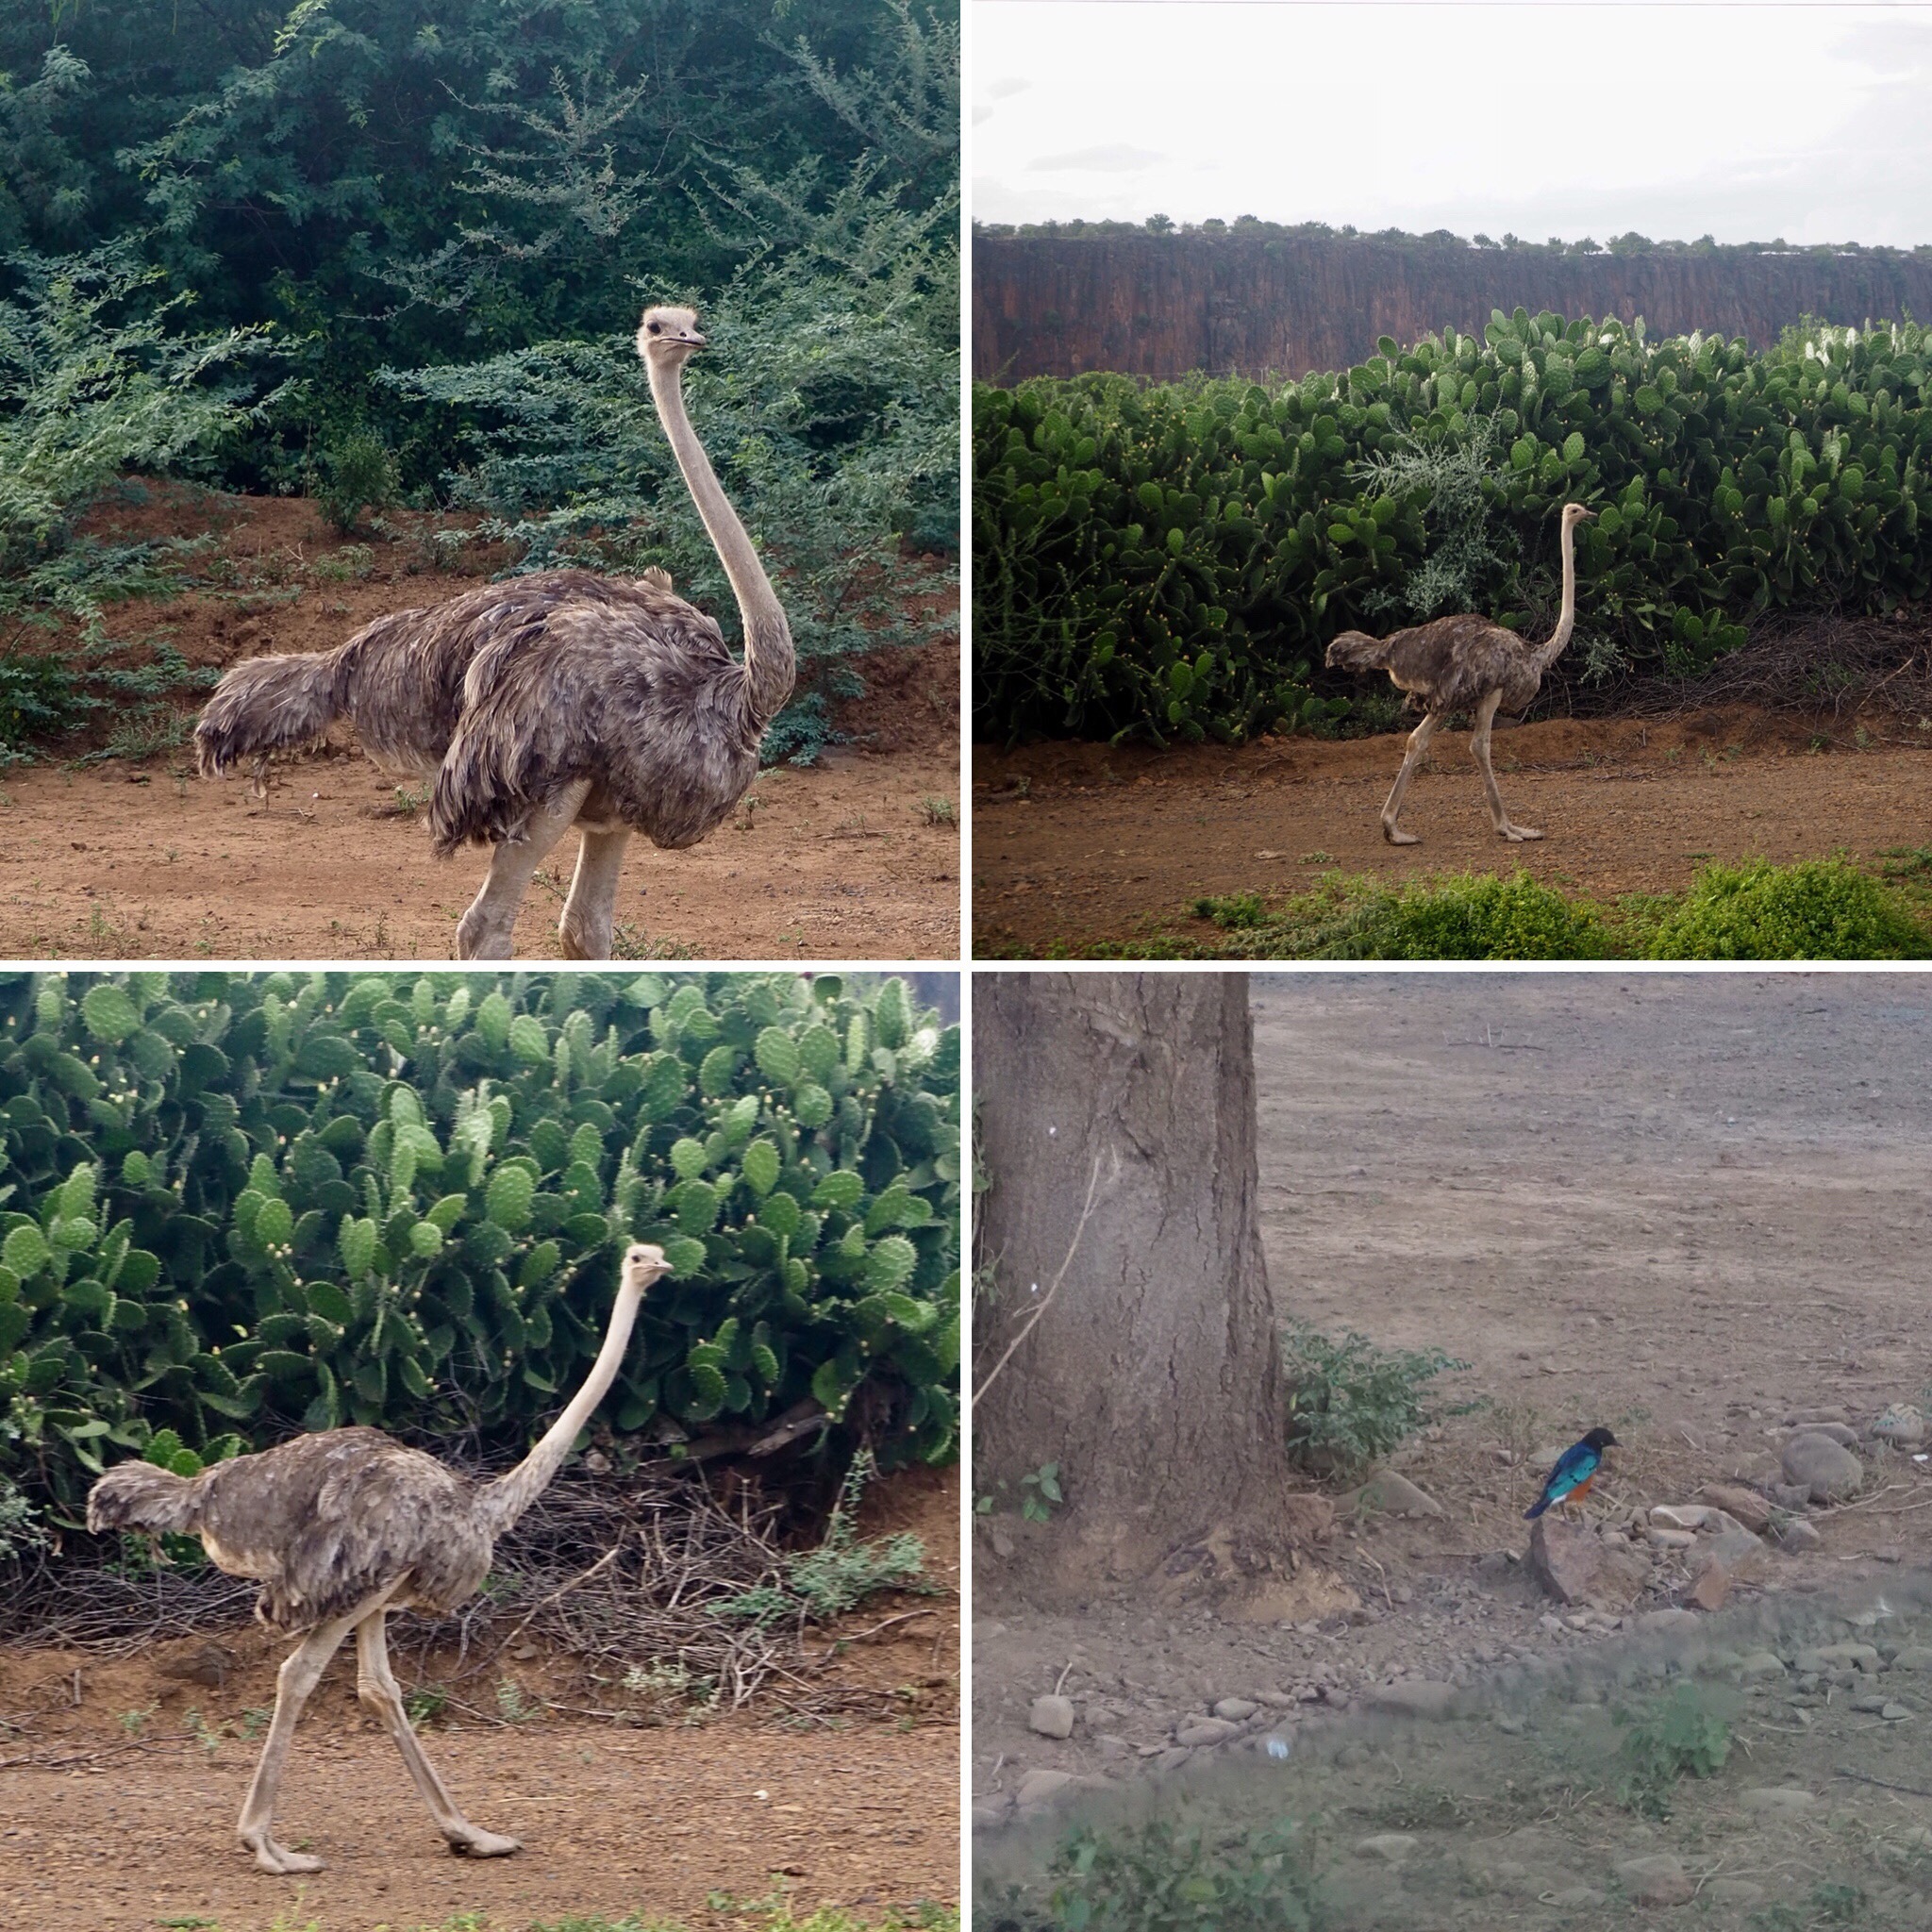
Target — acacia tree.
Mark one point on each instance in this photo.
(1125, 1331)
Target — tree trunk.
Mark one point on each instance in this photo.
(1153, 1377)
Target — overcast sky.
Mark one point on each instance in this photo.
(1744, 122)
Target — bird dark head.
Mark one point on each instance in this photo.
(1601, 1440)
(669, 335)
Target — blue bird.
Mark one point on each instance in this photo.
(1576, 1470)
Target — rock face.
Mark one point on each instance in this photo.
(1052, 1717)
(1823, 1466)
(1577, 1566)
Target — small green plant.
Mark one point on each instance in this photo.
(20, 1529)
(512, 1706)
(356, 473)
(210, 1741)
(939, 811)
(1351, 1403)
(252, 1723)
(1238, 910)
(843, 1572)
(1041, 1496)
(669, 1682)
(1162, 1877)
(135, 1722)
(423, 1707)
(40, 697)
(1819, 909)
(1676, 1736)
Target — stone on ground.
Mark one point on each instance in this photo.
(1823, 1466)
(1657, 1880)
(1734, 1499)
(1902, 1426)
(1576, 1565)
(1391, 1847)
(1391, 1496)
(1414, 1697)
(1779, 1801)
(1236, 1710)
(1052, 1717)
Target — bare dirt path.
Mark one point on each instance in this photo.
(844, 1793)
(1076, 843)
(856, 857)
(1687, 1206)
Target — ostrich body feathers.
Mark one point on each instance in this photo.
(1450, 663)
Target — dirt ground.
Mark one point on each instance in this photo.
(846, 1794)
(856, 857)
(1079, 844)
(1689, 1206)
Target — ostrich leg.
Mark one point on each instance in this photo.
(375, 1685)
(488, 929)
(1418, 748)
(300, 1673)
(1479, 746)
(590, 914)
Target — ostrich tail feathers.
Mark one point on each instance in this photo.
(269, 704)
(1355, 650)
(139, 1495)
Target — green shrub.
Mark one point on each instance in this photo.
(1170, 562)
(356, 472)
(40, 697)
(1819, 909)
(239, 1204)
(1158, 1876)
(1351, 1403)
(1481, 917)
(1678, 1736)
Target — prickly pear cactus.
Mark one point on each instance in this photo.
(1171, 562)
(232, 1206)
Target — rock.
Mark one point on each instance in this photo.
(1236, 1710)
(1352, 1756)
(1112, 1747)
(1914, 1657)
(1414, 1697)
(1893, 1713)
(1871, 1700)
(1657, 1880)
(1826, 1658)
(1204, 1730)
(1796, 1537)
(1390, 1847)
(1823, 1466)
(1711, 1589)
(1839, 1432)
(1761, 1663)
(1667, 1620)
(1391, 1496)
(1578, 1895)
(1052, 1717)
(1902, 1426)
(1668, 1539)
(989, 1817)
(1746, 1505)
(1734, 1892)
(1040, 1787)
(1577, 1566)
(1680, 1515)
(1815, 1418)
(1779, 1801)
(1736, 1551)
(1174, 1758)
(1788, 1495)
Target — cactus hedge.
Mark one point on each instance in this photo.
(1172, 562)
(233, 1206)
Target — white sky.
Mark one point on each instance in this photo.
(1746, 122)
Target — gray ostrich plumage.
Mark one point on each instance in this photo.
(1463, 663)
(546, 701)
(341, 1527)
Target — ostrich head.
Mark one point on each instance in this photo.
(642, 1265)
(1575, 513)
(668, 337)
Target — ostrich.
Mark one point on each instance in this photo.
(551, 700)
(1463, 663)
(341, 1528)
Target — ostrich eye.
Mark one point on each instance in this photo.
(656, 326)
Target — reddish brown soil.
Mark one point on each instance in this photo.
(858, 857)
(860, 1808)
(1079, 844)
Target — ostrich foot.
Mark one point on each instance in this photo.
(271, 1857)
(1517, 834)
(1395, 836)
(473, 1842)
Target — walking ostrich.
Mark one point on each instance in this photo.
(551, 700)
(341, 1528)
(1463, 663)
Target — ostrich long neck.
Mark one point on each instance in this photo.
(1566, 617)
(768, 661)
(506, 1499)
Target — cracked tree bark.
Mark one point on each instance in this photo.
(1154, 1378)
